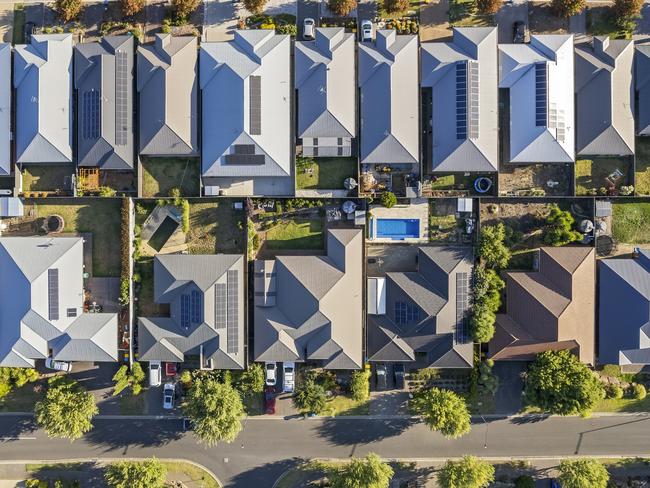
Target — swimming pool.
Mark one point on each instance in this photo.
(397, 229)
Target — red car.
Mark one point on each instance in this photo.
(269, 400)
(170, 369)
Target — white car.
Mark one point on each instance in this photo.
(308, 27)
(271, 369)
(58, 365)
(366, 31)
(288, 369)
(155, 373)
(168, 396)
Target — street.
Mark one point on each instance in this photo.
(267, 447)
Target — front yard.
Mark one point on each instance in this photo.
(160, 175)
(631, 222)
(601, 22)
(603, 176)
(324, 173)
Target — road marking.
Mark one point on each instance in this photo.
(18, 438)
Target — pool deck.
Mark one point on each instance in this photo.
(418, 209)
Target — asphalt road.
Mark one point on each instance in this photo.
(267, 447)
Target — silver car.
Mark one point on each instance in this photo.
(308, 29)
(366, 31)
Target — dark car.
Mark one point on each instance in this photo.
(380, 371)
(521, 32)
(398, 372)
(28, 30)
(269, 400)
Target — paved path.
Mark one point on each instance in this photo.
(267, 447)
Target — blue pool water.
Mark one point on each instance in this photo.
(397, 229)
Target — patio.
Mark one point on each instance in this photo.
(401, 179)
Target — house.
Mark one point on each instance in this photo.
(325, 82)
(247, 124)
(604, 72)
(624, 311)
(551, 308)
(538, 78)
(42, 305)
(642, 82)
(389, 100)
(168, 89)
(103, 78)
(424, 318)
(459, 82)
(43, 83)
(205, 294)
(309, 308)
(5, 109)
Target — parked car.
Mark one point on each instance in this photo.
(308, 29)
(155, 373)
(169, 391)
(288, 369)
(398, 372)
(271, 369)
(366, 31)
(170, 369)
(58, 365)
(521, 32)
(380, 371)
(269, 400)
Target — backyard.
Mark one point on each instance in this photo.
(642, 162)
(536, 180)
(47, 178)
(443, 226)
(451, 184)
(324, 173)
(160, 175)
(631, 222)
(294, 233)
(216, 227)
(602, 175)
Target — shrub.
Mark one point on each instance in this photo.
(488, 7)
(186, 215)
(614, 392)
(254, 6)
(639, 392)
(626, 12)
(342, 7)
(360, 385)
(287, 29)
(175, 194)
(68, 9)
(491, 246)
(567, 8)
(309, 396)
(125, 257)
(558, 231)
(388, 199)
(131, 7)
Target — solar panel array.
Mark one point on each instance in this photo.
(121, 97)
(244, 159)
(255, 103)
(197, 305)
(244, 148)
(185, 311)
(53, 293)
(462, 305)
(541, 95)
(220, 300)
(233, 312)
(90, 114)
(473, 98)
(406, 313)
(461, 100)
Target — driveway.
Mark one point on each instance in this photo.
(506, 17)
(307, 9)
(508, 399)
(6, 22)
(366, 10)
(434, 21)
(220, 20)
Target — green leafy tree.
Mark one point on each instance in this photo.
(491, 247)
(67, 409)
(251, 380)
(342, 7)
(133, 379)
(131, 7)
(396, 6)
(583, 473)
(254, 6)
(368, 472)
(310, 396)
(559, 230)
(360, 385)
(68, 9)
(183, 8)
(136, 474)
(215, 409)
(639, 392)
(15, 378)
(557, 382)
(388, 199)
(444, 411)
(469, 472)
(625, 14)
(488, 7)
(481, 323)
(567, 8)
(487, 300)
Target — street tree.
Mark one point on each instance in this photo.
(583, 473)
(488, 7)
(491, 247)
(469, 472)
(396, 6)
(183, 8)
(150, 473)
(215, 409)
(342, 7)
(558, 383)
(251, 380)
(567, 8)
(67, 409)
(125, 378)
(254, 6)
(309, 396)
(131, 7)
(360, 385)
(444, 411)
(368, 472)
(68, 10)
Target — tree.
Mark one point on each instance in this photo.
(251, 380)
(254, 6)
(124, 379)
(639, 392)
(131, 7)
(583, 473)
(309, 396)
(342, 7)
(388, 199)
(559, 231)
(215, 409)
(68, 9)
(487, 300)
(492, 248)
(558, 383)
(395, 6)
(368, 472)
(136, 474)
(488, 7)
(567, 8)
(360, 385)
(183, 8)
(626, 12)
(67, 409)
(469, 472)
(444, 411)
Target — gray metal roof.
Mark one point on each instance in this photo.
(219, 281)
(604, 73)
(325, 80)
(167, 84)
(43, 82)
(233, 105)
(474, 148)
(40, 312)
(432, 289)
(314, 311)
(642, 80)
(11, 207)
(103, 78)
(389, 90)
(5, 109)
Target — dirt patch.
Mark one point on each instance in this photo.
(542, 19)
(536, 180)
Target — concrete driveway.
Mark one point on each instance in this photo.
(307, 9)
(508, 399)
(506, 17)
(220, 20)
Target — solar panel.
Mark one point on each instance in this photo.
(461, 100)
(220, 300)
(185, 311)
(255, 101)
(541, 96)
(90, 114)
(233, 312)
(53, 293)
(244, 159)
(244, 148)
(462, 304)
(121, 97)
(473, 99)
(197, 305)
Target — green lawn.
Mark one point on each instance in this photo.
(98, 216)
(442, 227)
(345, 405)
(159, 175)
(22, 399)
(199, 476)
(47, 178)
(325, 173)
(254, 404)
(642, 163)
(454, 181)
(132, 404)
(215, 227)
(631, 223)
(592, 174)
(462, 13)
(295, 234)
(623, 405)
